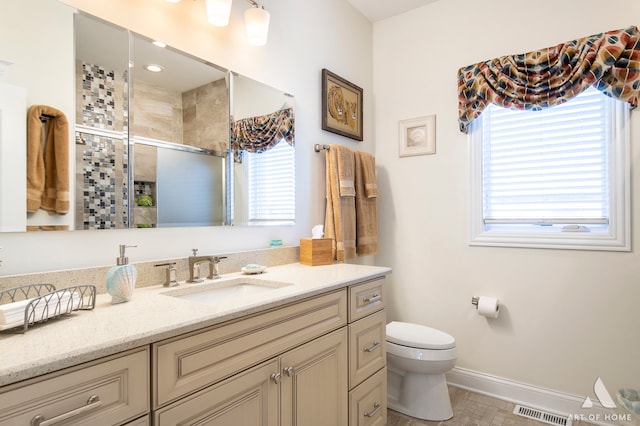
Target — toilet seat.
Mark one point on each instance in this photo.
(418, 336)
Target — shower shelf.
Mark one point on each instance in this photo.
(22, 307)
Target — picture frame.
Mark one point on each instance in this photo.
(341, 106)
(417, 136)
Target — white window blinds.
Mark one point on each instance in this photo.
(272, 184)
(549, 166)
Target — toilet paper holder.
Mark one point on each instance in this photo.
(475, 300)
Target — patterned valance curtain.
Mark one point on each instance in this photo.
(259, 134)
(608, 61)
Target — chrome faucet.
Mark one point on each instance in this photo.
(194, 270)
(214, 267)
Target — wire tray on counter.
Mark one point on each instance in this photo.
(22, 307)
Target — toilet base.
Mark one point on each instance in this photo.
(424, 396)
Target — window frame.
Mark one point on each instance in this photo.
(616, 237)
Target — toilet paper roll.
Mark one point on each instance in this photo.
(489, 307)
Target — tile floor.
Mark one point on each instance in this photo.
(472, 409)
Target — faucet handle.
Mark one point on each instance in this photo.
(217, 259)
(171, 274)
(195, 252)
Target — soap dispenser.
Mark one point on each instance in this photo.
(121, 279)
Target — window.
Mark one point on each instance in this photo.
(271, 177)
(555, 178)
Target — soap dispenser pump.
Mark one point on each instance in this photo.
(121, 279)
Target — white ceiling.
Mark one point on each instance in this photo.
(376, 10)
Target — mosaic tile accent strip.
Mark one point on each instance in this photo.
(98, 97)
(105, 200)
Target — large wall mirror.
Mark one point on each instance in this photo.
(150, 147)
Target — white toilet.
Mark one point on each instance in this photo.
(417, 358)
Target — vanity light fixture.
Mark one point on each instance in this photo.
(256, 21)
(218, 12)
(153, 68)
(256, 18)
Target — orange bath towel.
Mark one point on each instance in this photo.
(340, 214)
(366, 204)
(47, 160)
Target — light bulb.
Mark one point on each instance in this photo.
(218, 12)
(256, 21)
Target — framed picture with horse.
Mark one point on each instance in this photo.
(341, 106)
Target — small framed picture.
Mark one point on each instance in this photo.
(417, 136)
(341, 106)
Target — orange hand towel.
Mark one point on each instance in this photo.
(340, 215)
(47, 160)
(345, 170)
(368, 168)
(366, 206)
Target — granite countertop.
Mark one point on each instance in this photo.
(151, 316)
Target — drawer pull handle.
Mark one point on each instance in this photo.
(373, 347)
(92, 403)
(376, 408)
(289, 371)
(275, 377)
(371, 299)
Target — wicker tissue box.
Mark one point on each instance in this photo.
(315, 251)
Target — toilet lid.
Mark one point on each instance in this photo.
(418, 336)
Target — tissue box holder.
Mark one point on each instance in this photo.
(315, 251)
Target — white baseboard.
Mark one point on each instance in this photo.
(537, 397)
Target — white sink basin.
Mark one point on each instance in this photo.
(217, 292)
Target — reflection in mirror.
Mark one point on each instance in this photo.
(101, 154)
(163, 109)
(180, 115)
(262, 139)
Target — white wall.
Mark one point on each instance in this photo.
(43, 69)
(569, 316)
(304, 37)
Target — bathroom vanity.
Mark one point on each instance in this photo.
(308, 350)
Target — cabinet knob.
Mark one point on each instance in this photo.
(275, 378)
(289, 371)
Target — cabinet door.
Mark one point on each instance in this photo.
(248, 398)
(314, 382)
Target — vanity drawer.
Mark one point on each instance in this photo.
(107, 392)
(186, 364)
(366, 298)
(367, 347)
(368, 402)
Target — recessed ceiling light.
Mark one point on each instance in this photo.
(159, 43)
(153, 68)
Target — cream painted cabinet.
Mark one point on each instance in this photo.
(248, 398)
(367, 354)
(210, 377)
(314, 382)
(110, 391)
